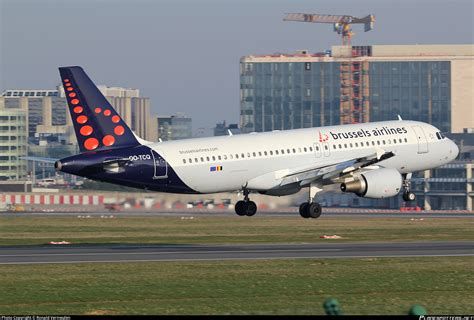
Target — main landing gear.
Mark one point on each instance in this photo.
(245, 207)
(407, 194)
(312, 209)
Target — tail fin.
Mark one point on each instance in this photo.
(96, 123)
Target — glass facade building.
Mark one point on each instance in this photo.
(416, 90)
(291, 95)
(174, 127)
(282, 96)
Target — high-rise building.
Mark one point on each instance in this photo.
(174, 127)
(430, 83)
(13, 143)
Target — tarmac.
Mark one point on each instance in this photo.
(154, 253)
(231, 213)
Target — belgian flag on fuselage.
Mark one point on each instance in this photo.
(96, 124)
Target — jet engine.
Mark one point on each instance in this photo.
(377, 184)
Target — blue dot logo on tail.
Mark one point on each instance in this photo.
(96, 123)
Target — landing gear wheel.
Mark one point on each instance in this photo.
(245, 208)
(304, 212)
(240, 208)
(314, 210)
(409, 196)
(250, 208)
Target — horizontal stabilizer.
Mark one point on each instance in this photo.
(39, 159)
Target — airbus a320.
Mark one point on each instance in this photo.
(373, 160)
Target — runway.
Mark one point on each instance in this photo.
(227, 214)
(150, 253)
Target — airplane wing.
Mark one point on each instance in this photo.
(307, 174)
(334, 170)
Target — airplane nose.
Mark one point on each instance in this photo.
(454, 150)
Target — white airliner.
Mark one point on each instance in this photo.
(373, 160)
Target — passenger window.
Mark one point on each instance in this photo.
(299, 149)
(340, 146)
(305, 150)
(208, 159)
(219, 157)
(213, 158)
(248, 154)
(236, 156)
(225, 157)
(345, 145)
(282, 151)
(276, 152)
(243, 155)
(350, 144)
(260, 153)
(383, 142)
(231, 156)
(400, 140)
(294, 150)
(394, 141)
(265, 153)
(271, 152)
(202, 159)
(311, 148)
(373, 143)
(317, 148)
(368, 144)
(325, 147)
(357, 145)
(378, 142)
(184, 160)
(254, 154)
(406, 140)
(288, 151)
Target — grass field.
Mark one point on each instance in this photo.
(218, 230)
(444, 285)
(363, 286)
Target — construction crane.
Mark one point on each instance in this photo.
(354, 104)
(342, 24)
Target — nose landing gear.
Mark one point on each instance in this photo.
(246, 207)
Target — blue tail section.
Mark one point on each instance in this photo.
(96, 124)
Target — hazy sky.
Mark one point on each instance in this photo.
(184, 55)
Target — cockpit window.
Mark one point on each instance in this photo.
(440, 135)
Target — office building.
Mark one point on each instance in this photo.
(174, 127)
(430, 83)
(222, 129)
(13, 143)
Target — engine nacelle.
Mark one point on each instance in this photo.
(378, 184)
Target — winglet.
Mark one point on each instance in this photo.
(229, 132)
(399, 117)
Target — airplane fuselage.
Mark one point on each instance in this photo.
(229, 163)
